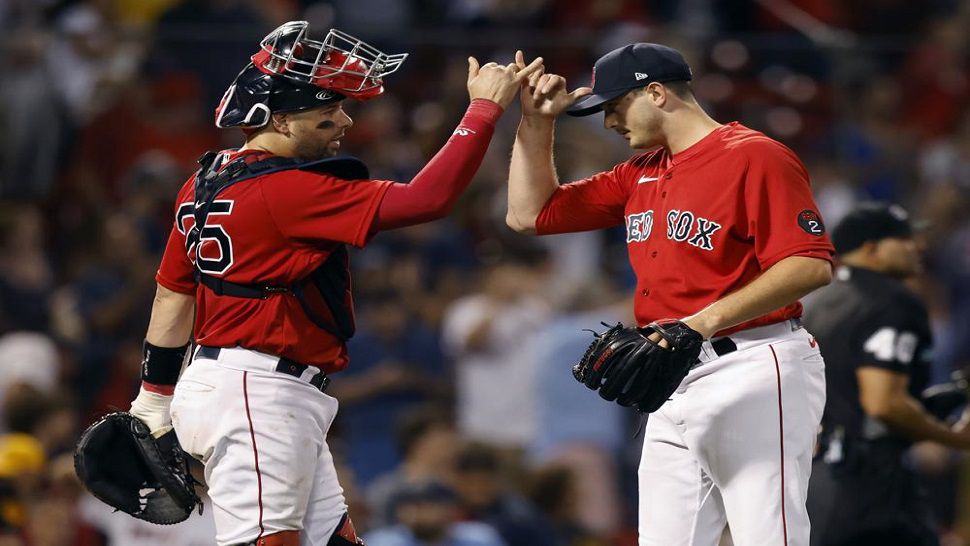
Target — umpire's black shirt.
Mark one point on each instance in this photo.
(865, 318)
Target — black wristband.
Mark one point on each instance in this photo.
(162, 365)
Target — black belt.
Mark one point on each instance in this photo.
(723, 346)
(285, 365)
(726, 345)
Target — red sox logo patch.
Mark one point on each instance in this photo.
(811, 222)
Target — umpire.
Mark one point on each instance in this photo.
(875, 336)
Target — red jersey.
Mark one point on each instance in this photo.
(701, 223)
(273, 229)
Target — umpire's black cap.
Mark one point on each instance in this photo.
(630, 67)
(871, 221)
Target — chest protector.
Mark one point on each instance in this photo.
(325, 288)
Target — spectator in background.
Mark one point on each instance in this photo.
(951, 265)
(575, 428)
(112, 295)
(427, 442)
(486, 334)
(946, 161)
(90, 60)
(199, 35)
(397, 366)
(554, 490)
(26, 272)
(427, 265)
(160, 118)
(48, 417)
(428, 516)
(934, 77)
(873, 144)
(51, 521)
(27, 359)
(148, 189)
(32, 118)
(22, 461)
(833, 190)
(482, 484)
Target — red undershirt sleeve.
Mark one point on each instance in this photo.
(432, 192)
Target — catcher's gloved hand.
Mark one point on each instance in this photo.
(122, 464)
(622, 364)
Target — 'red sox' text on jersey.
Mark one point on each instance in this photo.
(701, 223)
(272, 229)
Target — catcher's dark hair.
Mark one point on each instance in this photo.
(414, 424)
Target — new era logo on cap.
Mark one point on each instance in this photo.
(630, 67)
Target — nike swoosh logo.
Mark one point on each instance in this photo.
(646, 179)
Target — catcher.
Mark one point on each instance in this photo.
(256, 272)
(723, 233)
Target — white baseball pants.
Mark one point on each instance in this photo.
(262, 436)
(734, 445)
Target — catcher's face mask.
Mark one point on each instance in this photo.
(292, 72)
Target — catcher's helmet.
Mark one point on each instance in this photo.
(292, 72)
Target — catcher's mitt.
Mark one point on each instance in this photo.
(622, 364)
(123, 465)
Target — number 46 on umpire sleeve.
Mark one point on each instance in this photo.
(214, 255)
(889, 346)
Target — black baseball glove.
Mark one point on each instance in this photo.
(123, 465)
(622, 364)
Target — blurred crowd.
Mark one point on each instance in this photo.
(460, 423)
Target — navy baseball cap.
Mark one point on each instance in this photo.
(871, 222)
(630, 67)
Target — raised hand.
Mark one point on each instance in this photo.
(496, 82)
(545, 95)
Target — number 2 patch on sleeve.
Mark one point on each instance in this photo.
(811, 222)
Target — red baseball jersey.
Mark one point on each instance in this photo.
(701, 223)
(272, 229)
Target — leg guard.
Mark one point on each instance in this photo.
(345, 534)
